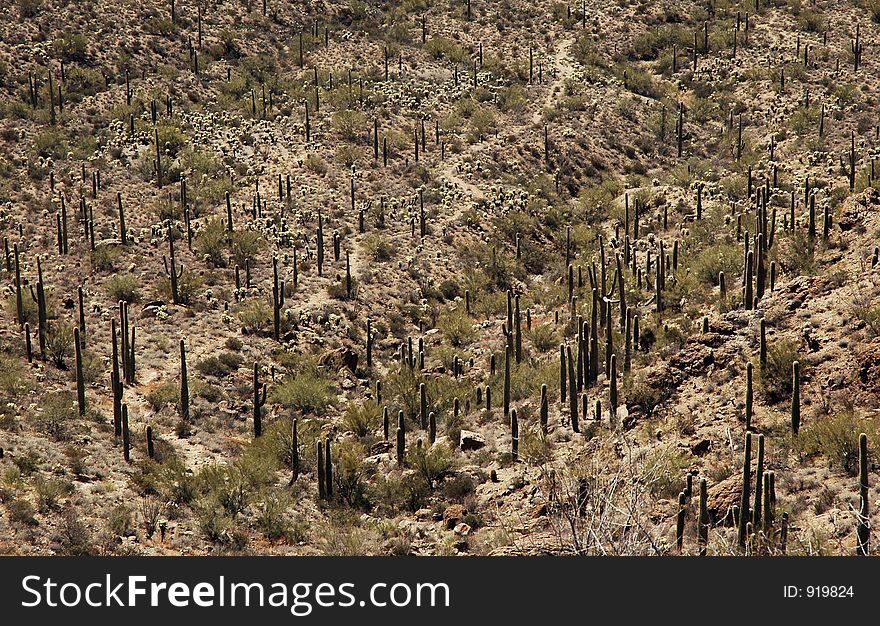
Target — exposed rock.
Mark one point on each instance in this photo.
(701, 447)
(453, 514)
(471, 440)
(381, 447)
(339, 358)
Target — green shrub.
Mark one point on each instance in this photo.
(161, 395)
(432, 463)
(22, 512)
(457, 326)
(544, 337)
(836, 437)
(123, 287)
(362, 418)
(29, 8)
(378, 247)
(775, 376)
(219, 366)
(59, 343)
(307, 391)
(255, 316)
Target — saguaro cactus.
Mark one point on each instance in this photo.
(680, 519)
(80, 379)
(328, 470)
(259, 401)
(401, 438)
(319, 453)
(745, 498)
(184, 385)
(703, 526)
(572, 393)
(126, 439)
(749, 396)
(507, 382)
(795, 397)
(759, 484)
(864, 527)
(514, 434)
(172, 269)
(277, 300)
(544, 412)
(123, 233)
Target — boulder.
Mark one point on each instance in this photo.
(453, 514)
(339, 358)
(471, 440)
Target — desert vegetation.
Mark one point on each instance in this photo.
(439, 277)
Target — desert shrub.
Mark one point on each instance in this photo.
(391, 494)
(873, 7)
(665, 469)
(13, 379)
(161, 395)
(104, 258)
(639, 395)
(71, 48)
(29, 8)
(120, 521)
(351, 473)
(362, 418)
(246, 246)
(402, 391)
(22, 512)
(775, 376)
(255, 316)
(725, 258)
(188, 286)
(272, 518)
(316, 164)
(443, 48)
(378, 247)
(50, 492)
(432, 463)
(836, 437)
(534, 446)
(525, 379)
(27, 463)
(308, 390)
(220, 365)
(349, 124)
(457, 326)
(59, 343)
(123, 287)
(74, 535)
(811, 21)
(212, 243)
(51, 143)
(544, 337)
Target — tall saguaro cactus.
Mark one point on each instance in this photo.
(259, 401)
(864, 526)
(172, 269)
(184, 385)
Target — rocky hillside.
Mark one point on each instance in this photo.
(455, 277)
